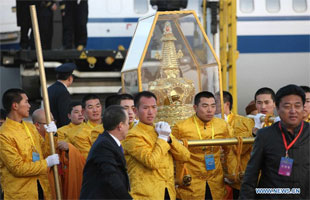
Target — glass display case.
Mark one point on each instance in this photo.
(171, 56)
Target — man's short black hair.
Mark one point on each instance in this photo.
(290, 90)
(265, 90)
(126, 96)
(2, 114)
(115, 99)
(112, 116)
(202, 94)
(305, 88)
(89, 97)
(63, 76)
(228, 98)
(11, 96)
(72, 105)
(111, 100)
(146, 94)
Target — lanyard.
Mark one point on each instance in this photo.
(198, 130)
(229, 118)
(293, 142)
(89, 124)
(29, 134)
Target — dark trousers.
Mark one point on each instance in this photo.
(235, 193)
(75, 24)
(45, 21)
(26, 41)
(167, 197)
(24, 21)
(208, 195)
(1, 193)
(40, 191)
(46, 26)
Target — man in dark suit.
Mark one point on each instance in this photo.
(105, 173)
(59, 96)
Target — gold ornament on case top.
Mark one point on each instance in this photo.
(174, 92)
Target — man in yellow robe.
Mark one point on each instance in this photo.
(307, 104)
(80, 136)
(205, 165)
(22, 164)
(2, 116)
(265, 104)
(242, 127)
(125, 100)
(76, 118)
(149, 152)
(72, 162)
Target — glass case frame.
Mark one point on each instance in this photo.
(139, 48)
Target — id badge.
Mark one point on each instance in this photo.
(210, 163)
(35, 156)
(286, 166)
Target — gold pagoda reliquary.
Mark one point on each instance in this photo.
(174, 92)
(171, 56)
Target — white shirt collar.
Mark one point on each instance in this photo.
(62, 83)
(116, 140)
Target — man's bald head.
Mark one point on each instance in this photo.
(39, 120)
(39, 116)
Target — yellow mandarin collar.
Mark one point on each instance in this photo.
(92, 124)
(13, 123)
(71, 125)
(231, 114)
(200, 122)
(230, 117)
(146, 126)
(131, 125)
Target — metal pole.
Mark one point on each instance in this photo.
(219, 142)
(44, 90)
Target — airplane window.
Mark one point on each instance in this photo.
(300, 5)
(141, 6)
(247, 6)
(273, 6)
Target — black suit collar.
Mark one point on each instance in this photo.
(114, 146)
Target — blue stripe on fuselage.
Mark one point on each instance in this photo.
(107, 43)
(274, 43)
(246, 44)
(112, 20)
(274, 18)
(13, 46)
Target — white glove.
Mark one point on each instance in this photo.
(52, 160)
(135, 122)
(277, 119)
(258, 123)
(163, 130)
(225, 117)
(220, 116)
(51, 127)
(226, 180)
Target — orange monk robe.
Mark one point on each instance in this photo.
(70, 173)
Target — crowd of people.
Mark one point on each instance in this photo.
(123, 154)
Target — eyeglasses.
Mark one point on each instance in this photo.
(44, 123)
(41, 123)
